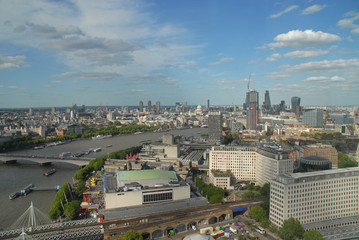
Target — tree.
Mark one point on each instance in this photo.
(265, 190)
(313, 235)
(131, 235)
(291, 229)
(345, 161)
(257, 213)
(72, 210)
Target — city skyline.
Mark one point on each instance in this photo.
(55, 53)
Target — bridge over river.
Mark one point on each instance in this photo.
(42, 160)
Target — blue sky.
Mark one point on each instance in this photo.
(56, 53)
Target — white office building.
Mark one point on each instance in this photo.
(252, 164)
(319, 200)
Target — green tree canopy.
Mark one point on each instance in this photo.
(313, 235)
(291, 229)
(131, 235)
(72, 210)
(257, 213)
(345, 161)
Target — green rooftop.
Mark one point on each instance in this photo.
(146, 175)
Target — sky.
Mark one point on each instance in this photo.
(113, 52)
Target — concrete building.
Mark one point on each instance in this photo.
(314, 163)
(141, 106)
(149, 106)
(135, 188)
(207, 105)
(158, 107)
(215, 121)
(251, 164)
(319, 200)
(321, 150)
(313, 117)
(252, 109)
(295, 104)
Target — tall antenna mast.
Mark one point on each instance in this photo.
(249, 80)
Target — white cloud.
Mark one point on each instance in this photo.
(158, 78)
(300, 39)
(9, 62)
(273, 57)
(313, 9)
(350, 39)
(288, 9)
(228, 88)
(349, 65)
(306, 54)
(98, 76)
(278, 75)
(222, 60)
(323, 79)
(350, 22)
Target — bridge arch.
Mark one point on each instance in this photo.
(222, 218)
(202, 222)
(212, 220)
(146, 235)
(180, 228)
(157, 234)
(192, 225)
(169, 231)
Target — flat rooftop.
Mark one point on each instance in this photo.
(141, 175)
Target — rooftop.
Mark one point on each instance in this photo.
(146, 175)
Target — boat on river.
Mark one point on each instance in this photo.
(52, 171)
(14, 195)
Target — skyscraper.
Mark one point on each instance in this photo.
(141, 106)
(295, 104)
(313, 117)
(158, 107)
(252, 109)
(149, 105)
(215, 126)
(207, 104)
(267, 107)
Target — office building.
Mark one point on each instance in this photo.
(158, 107)
(207, 105)
(141, 106)
(319, 200)
(245, 163)
(149, 106)
(295, 104)
(252, 109)
(215, 121)
(135, 188)
(313, 118)
(314, 163)
(267, 107)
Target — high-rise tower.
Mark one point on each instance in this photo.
(207, 105)
(295, 104)
(158, 107)
(149, 106)
(215, 121)
(267, 107)
(141, 106)
(252, 109)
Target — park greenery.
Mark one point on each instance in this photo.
(291, 229)
(62, 197)
(72, 209)
(214, 194)
(326, 136)
(259, 214)
(131, 235)
(313, 235)
(345, 161)
(27, 141)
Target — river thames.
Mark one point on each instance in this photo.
(15, 177)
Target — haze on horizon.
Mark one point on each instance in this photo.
(56, 53)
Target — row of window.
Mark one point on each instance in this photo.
(157, 197)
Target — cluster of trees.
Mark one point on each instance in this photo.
(214, 194)
(259, 214)
(113, 129)
(229, 138)
(292, 229)
(131, 235)
(256, 191)
(344, 161)
(122, 154)
(58, 205)
(322, 135)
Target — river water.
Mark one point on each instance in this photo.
(14, 177)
